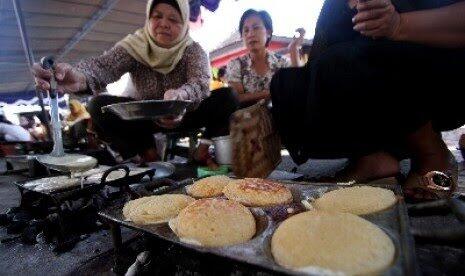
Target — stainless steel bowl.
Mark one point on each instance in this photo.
(148, 110)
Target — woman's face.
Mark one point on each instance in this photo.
(165, 25)
(254, 33)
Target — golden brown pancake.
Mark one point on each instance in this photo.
(340, 242)
(155, 209)
(358, 200)
(211, 186)
(257, 192)
(214, 222)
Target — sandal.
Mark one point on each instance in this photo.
(433, 185)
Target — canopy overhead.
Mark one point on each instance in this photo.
(68, 29)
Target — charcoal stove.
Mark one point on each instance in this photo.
(65, 216)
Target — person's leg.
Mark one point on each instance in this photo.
(128, 137)
(434, 170)
(428, 150)
(370, 167)
(213, 113)
(354, 104)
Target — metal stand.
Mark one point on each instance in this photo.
(118, 266)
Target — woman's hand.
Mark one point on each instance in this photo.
(376, 18)
(175, 94)
(170, 122)
(68, 79)
(298, 41)
(295, 46)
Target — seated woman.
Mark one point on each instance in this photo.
(77, 112)
(164, 63)
(380, 84)
(75, 123)
(250, 75)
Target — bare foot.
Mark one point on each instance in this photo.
(428, 151)
(429, 155)
(371, 167)
(202, 156)
(149, 155)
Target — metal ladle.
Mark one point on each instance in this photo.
(57, 159)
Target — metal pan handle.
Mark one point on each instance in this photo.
(103, 181)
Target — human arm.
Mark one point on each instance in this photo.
(295, 46)
(68, 79)
(198, 77)
(245, 98)
(234, 76)
(195, 89)
(106, 68)
(94, 73)
(441, 27)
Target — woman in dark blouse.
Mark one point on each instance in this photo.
(382, 82)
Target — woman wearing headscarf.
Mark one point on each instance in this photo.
(380, 85)
(164, 63)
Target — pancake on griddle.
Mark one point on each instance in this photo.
(257, 192)
(155, 209)
(214, 222)
(211, 186)
(340, 242)
(358, 200)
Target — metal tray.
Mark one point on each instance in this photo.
(147, 110)
(393, 221)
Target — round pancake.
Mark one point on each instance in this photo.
(211, 186)
(214, 222)
(155, 209)
(340, 242)
(257, 192)
(358, 200)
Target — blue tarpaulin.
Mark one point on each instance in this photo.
(26, 98)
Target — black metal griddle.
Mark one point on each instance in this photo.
(257, 252)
